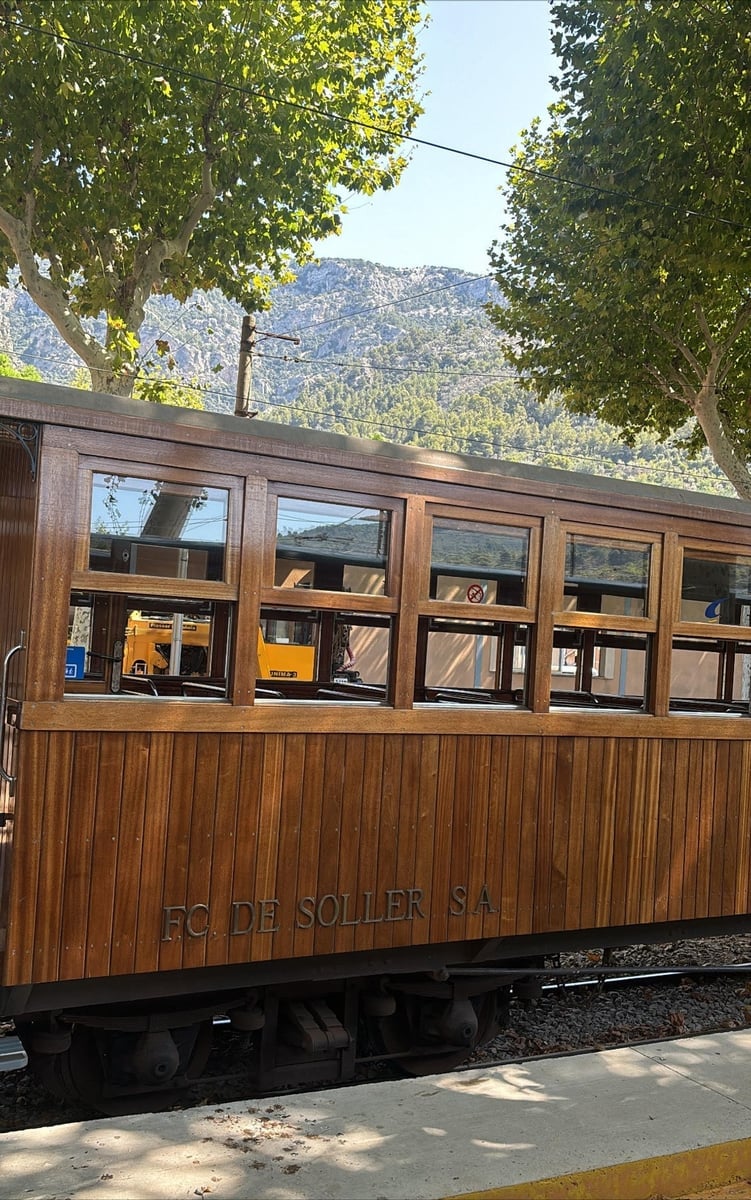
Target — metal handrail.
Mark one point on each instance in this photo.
(9, 779)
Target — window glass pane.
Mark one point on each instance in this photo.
(710, 675)
(472, 662)
(317, 654)
(144, 645)
(481, 564)
(716, 590)
(153, 527)
(335, 547)
(606, 575)
(598, 667)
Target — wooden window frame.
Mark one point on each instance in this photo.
(700, 629)
(612, 621)
(160, 587)
(271, 595)
(465, 609)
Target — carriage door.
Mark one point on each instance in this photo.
(18, 459)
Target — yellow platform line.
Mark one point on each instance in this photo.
(669, 1177)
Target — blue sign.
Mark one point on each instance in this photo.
(75, 662)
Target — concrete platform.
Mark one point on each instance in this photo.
(666, 1119)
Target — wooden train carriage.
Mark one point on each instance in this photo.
(522, 725)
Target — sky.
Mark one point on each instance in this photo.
(486, 76)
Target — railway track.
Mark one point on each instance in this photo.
(581, 1005)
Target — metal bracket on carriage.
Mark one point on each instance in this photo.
(312, 1026)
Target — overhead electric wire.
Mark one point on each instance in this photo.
(397, 135)
(470, 442)
(359, 312)
(355, 364)
(400, 137)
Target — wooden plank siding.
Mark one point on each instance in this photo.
(17, 512)
(451, 836)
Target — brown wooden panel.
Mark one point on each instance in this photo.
(742, 897)
(575, 865)
(665, 805)
(223, 888)
(206, 855)
(559, 833)
(607, 841)
(249, 835)
(110, 801)
(528, 834)
(678, 839)
(177, 848)
(406, 843)
(622, 798)
(531, 834)
(80, 834)
(17, 503)
(269, 885)
(28, 826)
(430, 749)
(54, 848)
(632, 805)
(691, 846)
(310, 835)
(51, 574)
(495, 840)
(593, 806)
(706, 821)
(328, 861)
(721, 848)
(354, 844)
(150, 917)
(442, 881)
(130, 854)
(387, 835)
(290, 860)
(479, 900)
(460, 835)
(512, 840)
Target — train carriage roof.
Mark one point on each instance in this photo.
(22, 399)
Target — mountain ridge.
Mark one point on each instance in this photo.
(402, 354)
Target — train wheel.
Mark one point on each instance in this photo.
(402, 1034)
(120, 1073)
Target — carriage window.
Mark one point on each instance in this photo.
(333, 547)
(606, 575)
(599, 668)
(716, 589)
(156, 527)
(319, 654)
(482, 564)
(710, 675)
(140, 645)
(472, 662)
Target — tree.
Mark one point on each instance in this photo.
(187, 144)
(9, 370)
(628, 288)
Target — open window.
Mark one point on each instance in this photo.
(604, 621)
(475, 621)
(329, 604)
(711, 659)
(152, 606)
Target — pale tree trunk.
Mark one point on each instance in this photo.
(721, 448)
(697, 384)
(110, 371)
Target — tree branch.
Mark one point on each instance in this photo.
(50, 298)
(673, 340)
(147, 269)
